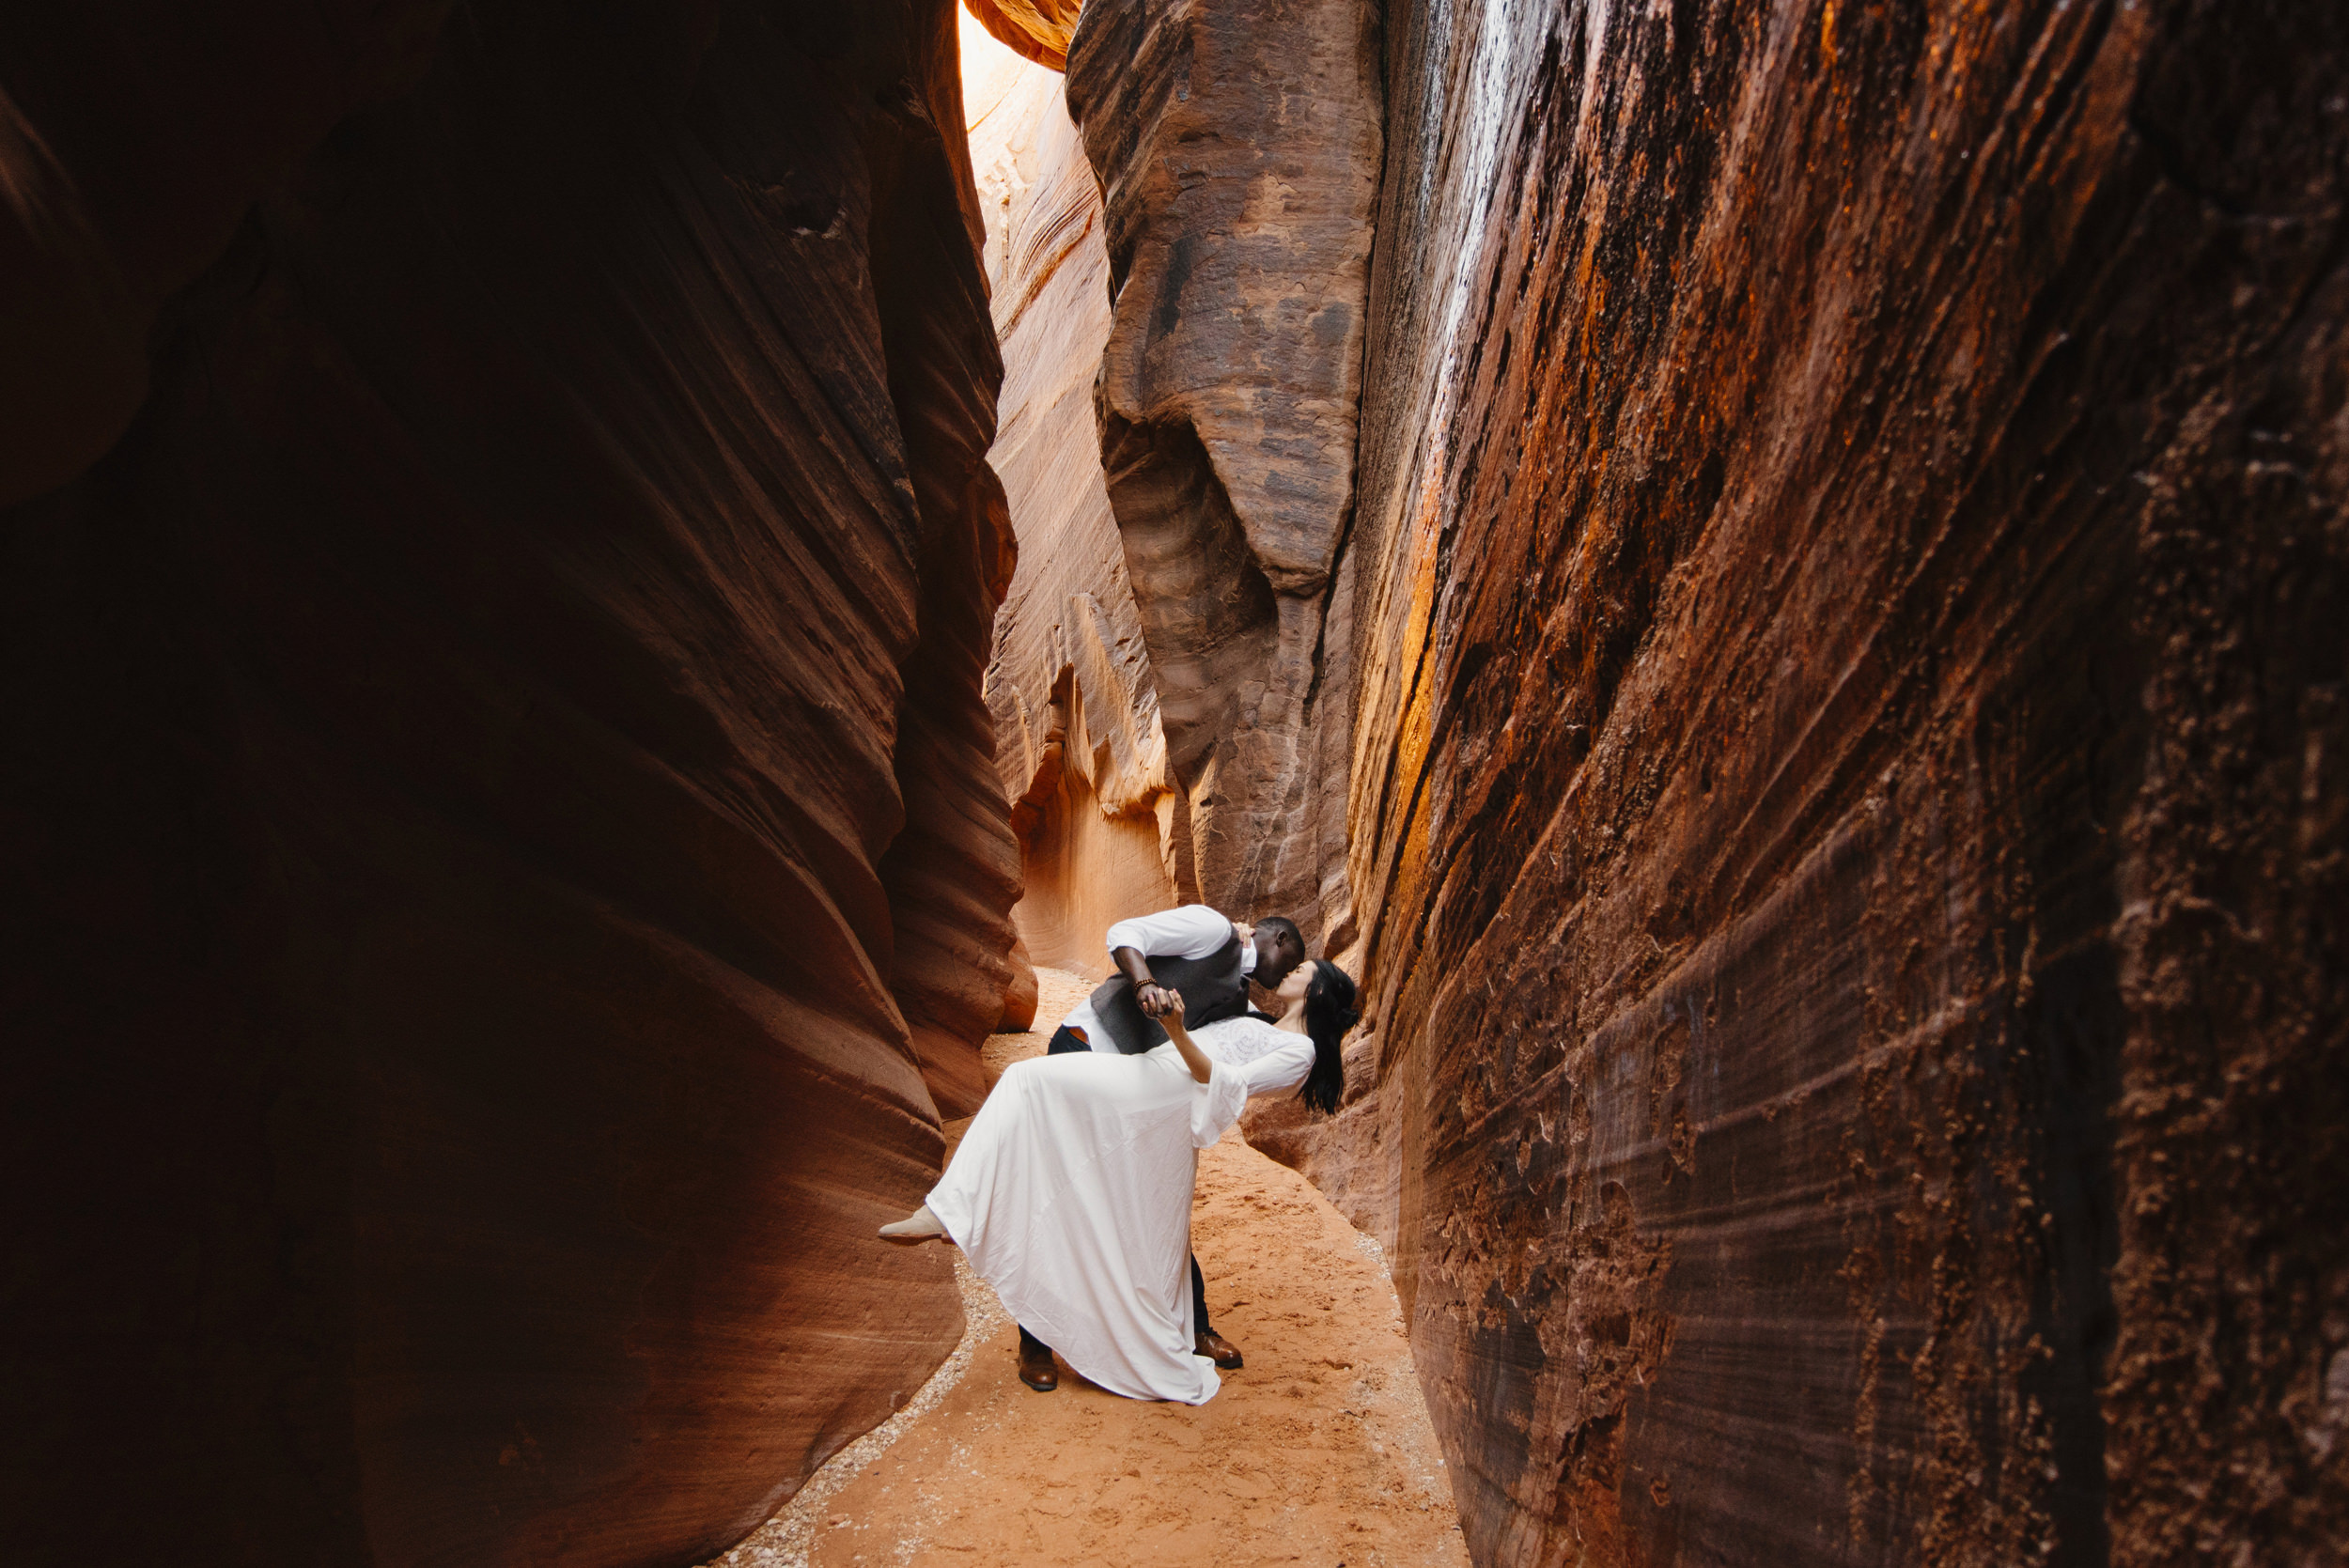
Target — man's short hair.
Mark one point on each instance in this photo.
(1287, 927)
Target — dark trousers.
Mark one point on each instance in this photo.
(1064, 1040)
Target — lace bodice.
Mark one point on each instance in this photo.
(1269, 1057)
(1237, 1042)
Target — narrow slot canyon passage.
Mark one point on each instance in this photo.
(1318, 1451)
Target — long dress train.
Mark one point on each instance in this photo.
(1071, 1195)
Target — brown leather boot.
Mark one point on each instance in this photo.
(1223, 1352)
(1038, 1371)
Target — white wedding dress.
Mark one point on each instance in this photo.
(1071, 1195)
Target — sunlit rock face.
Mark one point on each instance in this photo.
(1037, 30)
(1076, 708)
(1848, 819)
(458, 958)
(1238, 148)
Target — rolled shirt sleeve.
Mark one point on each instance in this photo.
(1193, 931)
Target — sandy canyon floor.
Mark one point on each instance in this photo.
(1318, 1452)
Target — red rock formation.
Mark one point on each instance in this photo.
(953, 872)
(1239, 149)
(1020, 996)
(454, 741)
(1076, 706)
(1037, 29)
(1847, 813)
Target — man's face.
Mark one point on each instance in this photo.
(1277, 952)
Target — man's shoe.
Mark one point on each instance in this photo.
(1216, 1348)
(1038, 1371)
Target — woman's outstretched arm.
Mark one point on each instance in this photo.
(1172, 1021)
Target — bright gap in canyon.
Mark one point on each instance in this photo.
(605, 608)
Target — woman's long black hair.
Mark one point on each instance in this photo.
(1328, 1014)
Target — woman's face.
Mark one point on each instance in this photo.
(1294, 984)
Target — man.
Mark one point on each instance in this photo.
(1210, 960)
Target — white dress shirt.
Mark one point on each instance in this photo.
(1193, 931)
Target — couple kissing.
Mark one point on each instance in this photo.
(1071, 1192)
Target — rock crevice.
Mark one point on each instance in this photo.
(1079, 734)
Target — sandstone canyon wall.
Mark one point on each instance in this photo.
(1239, 148)
(1836, 660)
(1847, 819)
(1037, 30)
(467, 998)
(1076, 708)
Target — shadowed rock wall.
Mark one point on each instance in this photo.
(1239, 148)
(457, 975)
(133, 140)
(954, 871)
(1846, 811)
(1076, 706)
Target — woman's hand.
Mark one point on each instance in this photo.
(1172, 1021)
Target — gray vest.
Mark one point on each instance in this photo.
(1212, 988)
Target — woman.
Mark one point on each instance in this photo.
(1071, 1192)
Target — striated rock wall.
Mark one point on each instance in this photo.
(1076, 706)
(1846, 804)
(1037, 30)
(458, 974)
(1238, 149)
(952, 871)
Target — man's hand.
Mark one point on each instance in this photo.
(1149, 993)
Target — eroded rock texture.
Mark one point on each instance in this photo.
(1847, 815)
(456, 985)
(1076, 706)
(1238, 148)
(954, 870)
(1037, 29)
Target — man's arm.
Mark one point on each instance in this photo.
(1148, 994)
(1193, 931)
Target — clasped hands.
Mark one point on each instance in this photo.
(1202, 1070)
